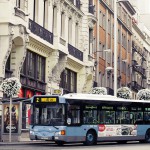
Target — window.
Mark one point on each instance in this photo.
(62, 33)
(45, 14)
(90, 114)
(147, 114)
(136, 114)
(68, 81)
(76, 35)
(90, 41)
(20, 4)
(31, 64)
(104, 21)
(107, 115)
(35, 10)
(74, 114)
(122, 115)
(34, 66)
(100, 20)
(119, 38)
(109, 26)
(52, 114)
(40, 68)
(7, 67)
(70, 31)
(8, 71)
(54, 26)
(129, 46)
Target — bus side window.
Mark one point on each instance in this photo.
(74, 114)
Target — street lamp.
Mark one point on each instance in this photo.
(115, 44)
(115, 48)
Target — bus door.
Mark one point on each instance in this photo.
(74, 120)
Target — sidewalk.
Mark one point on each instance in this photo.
(25, 142)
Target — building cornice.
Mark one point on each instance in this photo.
(130, 8)
(137, 29)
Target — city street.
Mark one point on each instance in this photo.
(51, 146)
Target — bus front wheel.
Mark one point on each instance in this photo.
(90, 138)
(147, 136)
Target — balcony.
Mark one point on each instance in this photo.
(32, 83)
(40, 31)
(138, 68)
(92, 19)
(140, 51)
(20, 13)
(75, 52)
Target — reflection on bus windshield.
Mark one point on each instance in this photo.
(49, 114)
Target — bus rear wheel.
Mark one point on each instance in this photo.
(147, 136)
(60, 143)
(90, 138)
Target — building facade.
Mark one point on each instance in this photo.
(104, 49)
(46, 45)
(139, 61)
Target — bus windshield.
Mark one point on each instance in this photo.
(48, 114)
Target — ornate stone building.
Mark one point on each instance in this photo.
(45, 43)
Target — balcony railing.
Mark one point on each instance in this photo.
(32, 83)
(139, 69)
(75, 52)
(141, 52)
(40, 31)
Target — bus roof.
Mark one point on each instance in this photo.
(81, 96)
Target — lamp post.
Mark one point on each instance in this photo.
(115, 48)
(11, 87)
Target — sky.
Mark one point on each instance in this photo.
(142, 5)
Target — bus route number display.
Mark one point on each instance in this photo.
(45, 100)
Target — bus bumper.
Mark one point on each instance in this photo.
(41, 136)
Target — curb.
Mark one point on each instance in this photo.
(25, 143)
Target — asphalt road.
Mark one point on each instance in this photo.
(79, 146)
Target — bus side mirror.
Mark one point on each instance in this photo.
(69, 121)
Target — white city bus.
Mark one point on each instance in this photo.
(89, 118)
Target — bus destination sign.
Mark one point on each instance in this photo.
(45, 99)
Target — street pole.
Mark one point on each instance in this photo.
(115, 48)
(10, 106)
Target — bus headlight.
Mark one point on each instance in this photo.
(32, 132)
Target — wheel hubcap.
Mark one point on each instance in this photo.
(90, 137)
(148, 137)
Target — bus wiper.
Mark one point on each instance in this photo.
(56, 127)
(33, 126)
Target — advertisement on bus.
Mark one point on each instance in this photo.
(117, 130)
